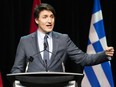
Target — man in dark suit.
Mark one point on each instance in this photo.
(31, 48)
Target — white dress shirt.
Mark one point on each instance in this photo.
(40, 39)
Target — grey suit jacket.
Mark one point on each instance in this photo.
(63, 48)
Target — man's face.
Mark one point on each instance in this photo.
(45, 21)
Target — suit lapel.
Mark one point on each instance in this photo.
(36, 47)
(55, 47)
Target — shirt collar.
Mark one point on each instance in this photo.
(41, 35)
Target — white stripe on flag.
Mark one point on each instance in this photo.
(103, 42)
(93, 35)
(96, 17)
(90, 49)
(101, 75)
(85, 82)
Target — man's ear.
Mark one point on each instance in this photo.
(36, 21)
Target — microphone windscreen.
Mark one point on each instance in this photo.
(31, 59)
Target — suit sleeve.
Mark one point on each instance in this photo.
(83, 58)
(20, 60)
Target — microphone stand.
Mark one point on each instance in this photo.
(46, 65)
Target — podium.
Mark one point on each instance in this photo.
(46, 79)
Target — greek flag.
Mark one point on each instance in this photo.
(98, 75)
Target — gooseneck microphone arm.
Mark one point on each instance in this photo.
(31, 58)
(45, 46)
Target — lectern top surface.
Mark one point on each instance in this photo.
(45, 73)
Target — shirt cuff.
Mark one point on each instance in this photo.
(109, 58)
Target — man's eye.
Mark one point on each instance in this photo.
(52, 16)
(44, 17)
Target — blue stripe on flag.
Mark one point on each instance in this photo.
(107, 70)
(91, 77)
(99, 29)
(97, 46)
(96, 6)
(89, 42)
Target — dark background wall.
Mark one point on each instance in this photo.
(72, 17)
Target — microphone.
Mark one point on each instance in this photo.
(29, 60)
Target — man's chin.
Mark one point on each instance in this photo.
(49, 31)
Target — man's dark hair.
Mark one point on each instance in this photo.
(41, 7)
